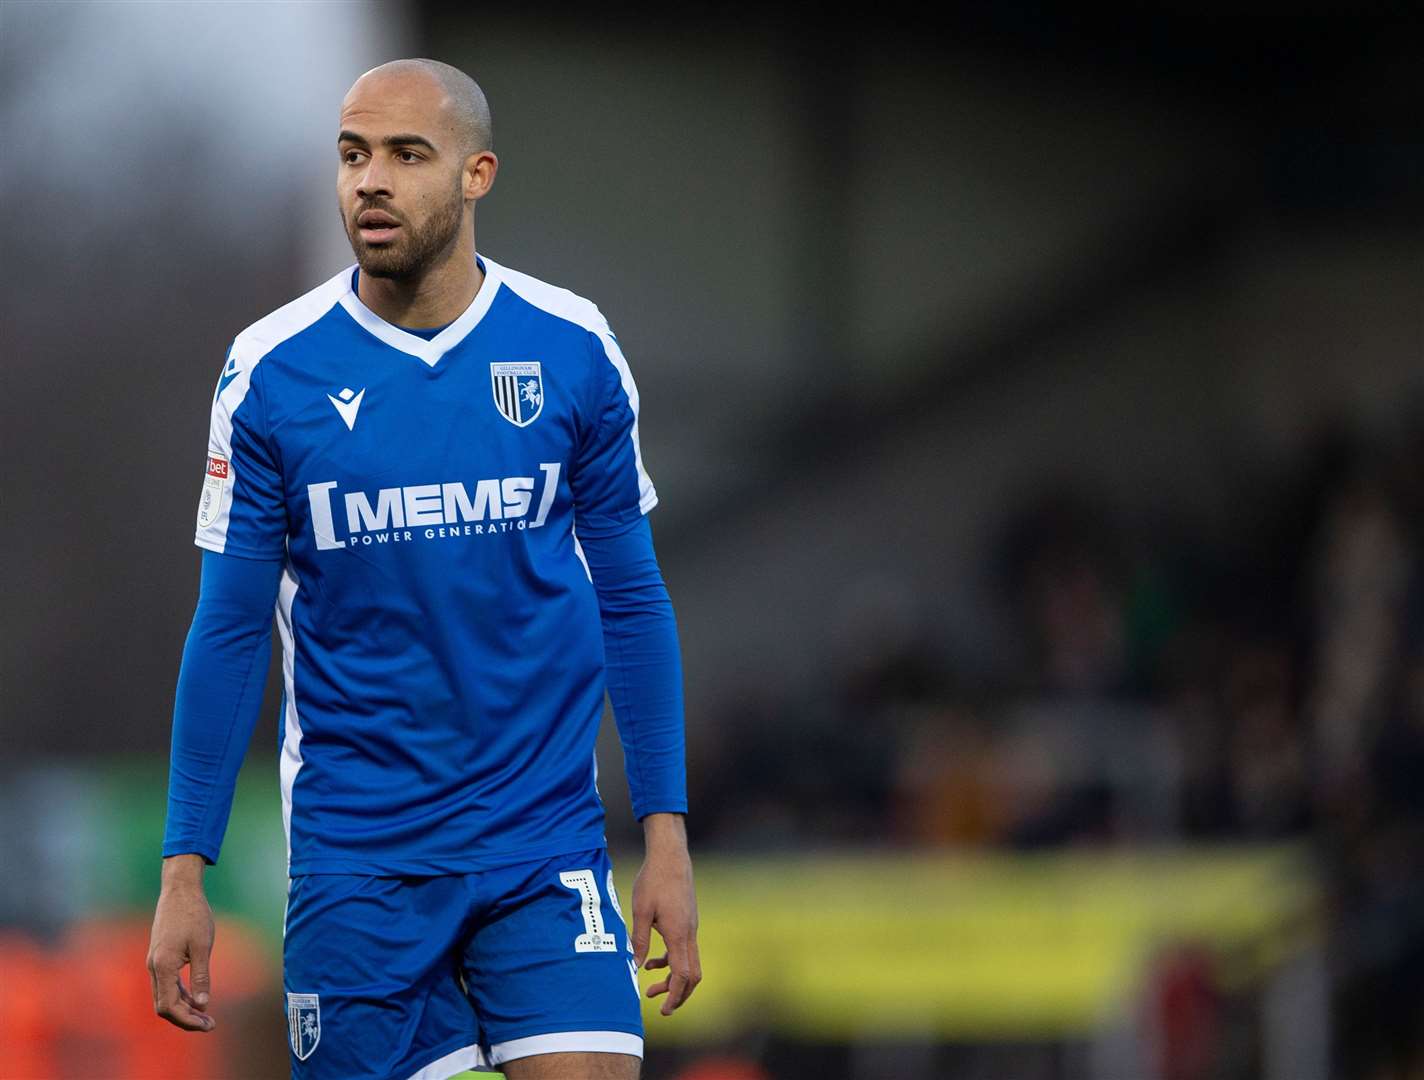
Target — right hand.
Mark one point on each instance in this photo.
(182, 936)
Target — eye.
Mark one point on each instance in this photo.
(351, 157)
(407, 156)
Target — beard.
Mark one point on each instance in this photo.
(416, 247)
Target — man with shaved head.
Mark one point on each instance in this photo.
(430, 466)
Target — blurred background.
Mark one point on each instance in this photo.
(1038, 413)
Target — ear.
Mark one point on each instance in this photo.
(478, 174)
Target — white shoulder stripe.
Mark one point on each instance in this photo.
(248, 349)
(291, 319)
(647, 494)
(575, 309)
(553, 299)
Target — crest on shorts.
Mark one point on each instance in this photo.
(303, 1023)
(518, 391)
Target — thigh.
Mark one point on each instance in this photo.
(550, 967)
(371, 974)
(573, 1067)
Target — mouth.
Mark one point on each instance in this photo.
(376, 226)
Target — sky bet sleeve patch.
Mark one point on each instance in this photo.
(213, 482)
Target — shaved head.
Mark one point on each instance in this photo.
(464, 106)
(415, 157)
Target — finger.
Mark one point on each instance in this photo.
(169, 1001)
(677, 993)
(642, 931)
(658, 988)
(163, 972)
(193, 1010)
(181, 1015)
(186, 997)
(656, 962)
(680, 965)
(153, 980)
(198, 966)
(694, 972)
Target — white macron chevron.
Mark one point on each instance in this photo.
(348, 404)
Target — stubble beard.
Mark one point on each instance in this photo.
(416, 248)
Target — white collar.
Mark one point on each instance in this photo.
(432, 350)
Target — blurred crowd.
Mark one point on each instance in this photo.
(1160, 683)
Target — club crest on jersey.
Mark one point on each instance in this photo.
(303, 1023)
(518, 390)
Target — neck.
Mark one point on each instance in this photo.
(432, 298)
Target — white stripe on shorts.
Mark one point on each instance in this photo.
(568, 1042)
(467, 1057)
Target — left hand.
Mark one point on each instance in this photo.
(664, 898)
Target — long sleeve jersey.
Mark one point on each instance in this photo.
(452, 532)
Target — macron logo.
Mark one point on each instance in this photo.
(230, 372)
(348, 403)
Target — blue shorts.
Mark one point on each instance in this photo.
(423, 977)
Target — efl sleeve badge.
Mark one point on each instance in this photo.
(215, 480)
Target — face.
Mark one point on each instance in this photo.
(401, 183)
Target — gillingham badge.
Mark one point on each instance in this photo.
(303, 1023)
(518, 391)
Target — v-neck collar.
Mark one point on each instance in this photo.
(433, 349)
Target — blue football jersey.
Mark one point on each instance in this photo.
(442, 649)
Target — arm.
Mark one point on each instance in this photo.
(612, 496)
(645, 684)
(219, 694)
(644, 665)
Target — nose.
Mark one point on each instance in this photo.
(374, 180)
